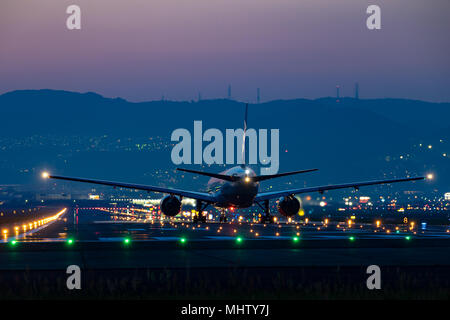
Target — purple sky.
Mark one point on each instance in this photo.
(142, 49)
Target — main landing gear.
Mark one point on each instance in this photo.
(199, 217)
(223, 216)
(267, 217)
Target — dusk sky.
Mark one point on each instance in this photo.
(140, 49)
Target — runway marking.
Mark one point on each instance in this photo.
(275, 237)
(220, 237)
(45, 240)
(111, 239)
(167, 238)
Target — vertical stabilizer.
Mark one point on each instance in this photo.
(243, 136)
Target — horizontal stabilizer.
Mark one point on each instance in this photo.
(212, 175)
(271, 176)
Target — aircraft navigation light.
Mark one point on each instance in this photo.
(45, 175)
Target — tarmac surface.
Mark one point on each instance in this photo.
(93, 240)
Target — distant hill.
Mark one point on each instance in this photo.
(350, 139)
(50, 111)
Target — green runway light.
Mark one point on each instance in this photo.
(397, 231)
(183, 240)
(239, 239)
(13, 243)
(352, 238)
(126, 240)
(296, 239)
(408, 238)
(69, 241)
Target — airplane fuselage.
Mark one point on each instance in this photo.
(236, 194)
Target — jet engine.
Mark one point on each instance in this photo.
(288, 206)
(170, 206)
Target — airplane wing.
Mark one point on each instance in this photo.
(189, 194)
(270, 195)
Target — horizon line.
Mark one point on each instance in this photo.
(220, 98)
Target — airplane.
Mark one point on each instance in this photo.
(237, 187)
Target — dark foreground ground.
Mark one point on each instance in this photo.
(211, 263)
(226, 283)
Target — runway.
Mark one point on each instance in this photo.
(94, 241)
